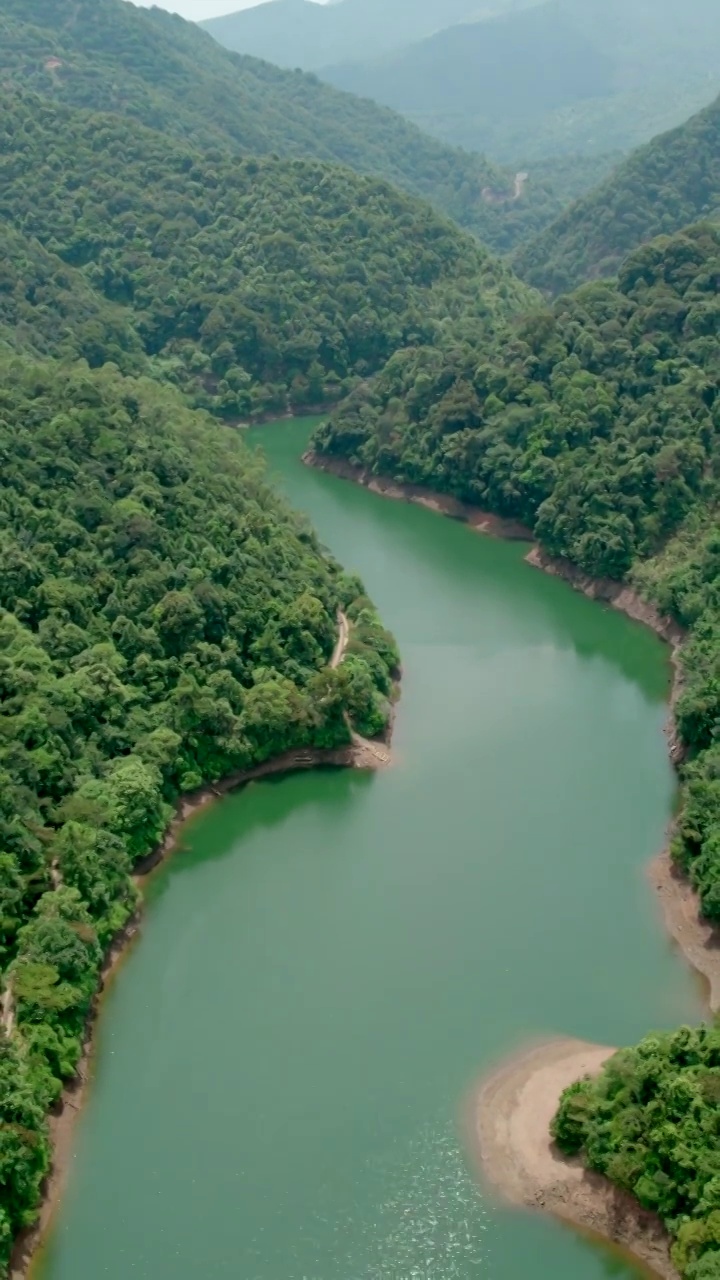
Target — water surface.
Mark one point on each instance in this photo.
(334, 957)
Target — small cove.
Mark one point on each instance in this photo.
(334, 958)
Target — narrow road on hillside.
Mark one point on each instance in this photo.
(7, 1012)
(342, 640)
(375, 749)
(520, 180)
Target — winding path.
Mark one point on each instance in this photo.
(342, 640)
(7, 1012)
(378, 752)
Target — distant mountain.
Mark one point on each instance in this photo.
(300, 33)
(107, 55)
(660, 188)
(562, 76)
(510, 67)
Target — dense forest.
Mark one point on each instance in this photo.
(110, 56)
(598, 426)
(180, 256)
(247, 283)
(594, 424)
(661, 187)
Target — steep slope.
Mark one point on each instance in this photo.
(245, 282)
(107, 55)
(672, 181)
(567, 75)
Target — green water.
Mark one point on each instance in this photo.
(334, 958)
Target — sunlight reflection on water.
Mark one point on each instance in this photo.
(431, 1223)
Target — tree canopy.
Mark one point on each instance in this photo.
(651, 1123)
(244, 282)
(156, 69)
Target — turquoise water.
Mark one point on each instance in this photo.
(333, 959)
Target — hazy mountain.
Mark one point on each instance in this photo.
(660, 188)
(568, 75)
(511, 68)
(299, 33)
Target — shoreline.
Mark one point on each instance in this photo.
(514, 1105)
(509, 1133)
(605, 1210)
(62, 1120)
(678, 903)
(442, 503)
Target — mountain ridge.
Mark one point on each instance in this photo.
(108, 55)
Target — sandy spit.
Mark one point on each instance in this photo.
(62, 1121)
(510, 1137)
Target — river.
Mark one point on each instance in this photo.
(334, 958)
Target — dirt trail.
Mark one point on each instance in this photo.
(342, 640)
(363, 745)
(520, 180)
(7, 1011)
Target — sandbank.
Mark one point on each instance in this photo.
(510, 1135)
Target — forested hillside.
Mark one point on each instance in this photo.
(107, 55)
(245, 282)
(598, 426)
(594, 424)
(661, 187)
(463, 79)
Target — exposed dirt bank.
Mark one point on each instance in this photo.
(698, 940)
(510, 1136)
(443, 503)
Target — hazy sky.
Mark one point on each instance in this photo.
(196, 10)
